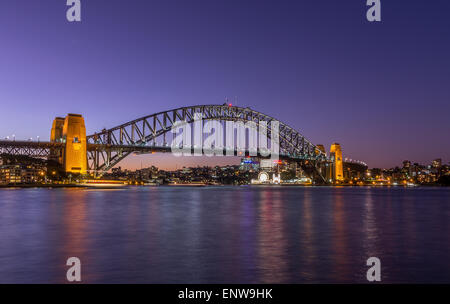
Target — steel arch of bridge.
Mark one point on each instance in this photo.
(108, 147)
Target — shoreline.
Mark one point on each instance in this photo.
(43, 186)
(50, 186)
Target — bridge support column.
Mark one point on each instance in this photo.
(338, 164)
(72, 132)
(56, 135)
(75, 154)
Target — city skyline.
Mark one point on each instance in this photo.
(377, 89)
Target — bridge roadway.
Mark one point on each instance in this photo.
(42, 149)
(38, 149)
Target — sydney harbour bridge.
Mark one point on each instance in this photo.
(97, 153)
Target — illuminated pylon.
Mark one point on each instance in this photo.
(72, 132)
(338, 169)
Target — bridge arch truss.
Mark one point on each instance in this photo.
(108, 147)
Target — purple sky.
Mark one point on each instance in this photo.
(382, 90)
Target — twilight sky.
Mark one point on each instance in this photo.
(382, 90)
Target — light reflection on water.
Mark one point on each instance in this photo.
(225, 234)
(272, 259)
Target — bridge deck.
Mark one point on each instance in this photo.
(34, 148)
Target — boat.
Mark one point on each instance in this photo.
(103, 183)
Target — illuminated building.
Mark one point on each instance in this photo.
(276, 179)
(437, 163)
(354, 171)
(407, 167)
(10, 174)
(338, 169)
(21, 174)
(249, 164)
(267, 164)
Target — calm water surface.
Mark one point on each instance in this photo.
(225, 234)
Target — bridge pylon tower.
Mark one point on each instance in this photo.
(71, 131)
(338, 163)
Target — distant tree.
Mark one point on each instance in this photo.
(444, 180)
(286, 175)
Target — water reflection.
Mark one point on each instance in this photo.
(341, 263)
(308, 249)
(225, 234)
(370, 226)
(75, 226)
(272, 242)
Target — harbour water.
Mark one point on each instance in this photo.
(248, 234)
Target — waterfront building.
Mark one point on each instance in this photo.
(21, 174)
(249, 164)
(10, 174)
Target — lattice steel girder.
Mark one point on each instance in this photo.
(29, 148)
(147, 129)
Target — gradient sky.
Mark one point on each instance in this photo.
(382, 90)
